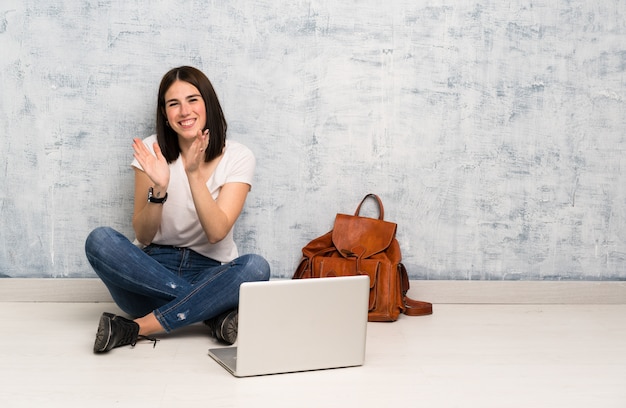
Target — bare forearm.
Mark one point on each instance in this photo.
(214, 221)
(146, 223)
(147, 216)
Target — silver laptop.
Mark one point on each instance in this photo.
(298, 325)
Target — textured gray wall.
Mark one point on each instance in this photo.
(493, 131)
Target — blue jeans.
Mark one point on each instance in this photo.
(178, 285)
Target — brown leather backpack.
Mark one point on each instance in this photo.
(364, 246)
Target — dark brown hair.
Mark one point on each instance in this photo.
(215, 121)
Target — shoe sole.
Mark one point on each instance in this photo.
(103, 336)
(229, 328)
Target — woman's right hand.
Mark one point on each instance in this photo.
(155, 167)
(155, 174)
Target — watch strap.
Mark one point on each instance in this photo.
(156, 200)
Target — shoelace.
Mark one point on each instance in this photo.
(129, 339)
(141, 336)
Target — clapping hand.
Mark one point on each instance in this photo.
(195, 155)
(155, 166)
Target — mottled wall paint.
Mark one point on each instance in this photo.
(493, 131)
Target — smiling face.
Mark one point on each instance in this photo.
(185, 110)
(187, 104)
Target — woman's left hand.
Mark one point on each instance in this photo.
(196, 153)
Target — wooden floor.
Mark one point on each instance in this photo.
(461, 356)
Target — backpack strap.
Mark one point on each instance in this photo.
(381, 209)
(417, 307)
(412, 307)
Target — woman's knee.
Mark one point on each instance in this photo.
(258, 267)
(98, 239)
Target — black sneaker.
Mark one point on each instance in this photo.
(115, 331)
(224, 326)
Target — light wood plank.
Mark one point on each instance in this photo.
(486, 356)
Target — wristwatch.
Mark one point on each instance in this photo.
(156, 200)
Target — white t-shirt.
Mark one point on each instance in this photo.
(180, 225)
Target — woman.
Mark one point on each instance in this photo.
(190, 187)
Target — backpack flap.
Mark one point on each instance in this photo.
(361, 237)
